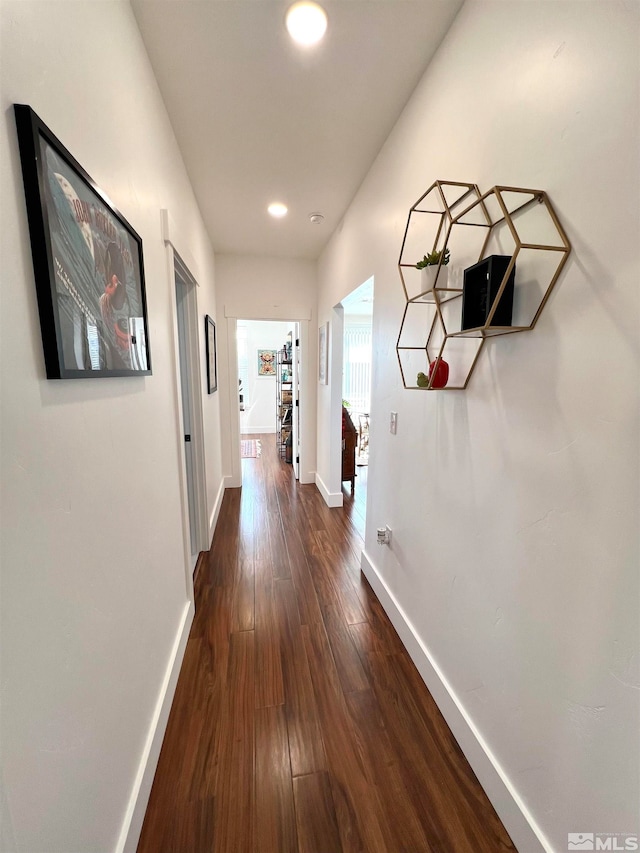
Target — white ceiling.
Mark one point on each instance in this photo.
(259, 119)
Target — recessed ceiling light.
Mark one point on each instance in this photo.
(306, 22)
(277, 209)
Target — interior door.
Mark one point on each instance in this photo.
(186, 391)
(296, 400)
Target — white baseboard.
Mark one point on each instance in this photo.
(231, 482)
(330, 498)
(519, 822)
(213, 520)
(134, 816)
(307, 477)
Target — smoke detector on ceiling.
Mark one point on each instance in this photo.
(316, 218)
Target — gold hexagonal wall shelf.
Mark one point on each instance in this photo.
(427, 230)
(507, 249)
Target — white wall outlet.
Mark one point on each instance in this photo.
(384, 535)
(393, 423)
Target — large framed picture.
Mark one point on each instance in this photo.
(87, 261)
(212, 365)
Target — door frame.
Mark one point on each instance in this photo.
(188, 272)
(232, 315)
(296, 364)
(192, 369)
(336, 371)
(336, 366)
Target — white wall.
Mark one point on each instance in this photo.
(260, 395)
(262, 288)
(94, 590)
(514, 505)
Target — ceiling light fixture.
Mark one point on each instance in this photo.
(316, 218)
(277, 209)
(306, 22)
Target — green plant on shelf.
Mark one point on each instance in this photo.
(433, 259)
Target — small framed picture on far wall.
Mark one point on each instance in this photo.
(266, 362)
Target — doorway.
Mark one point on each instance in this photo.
(357, 332)
(268, 358)
(191, 425)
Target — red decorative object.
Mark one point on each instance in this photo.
(439, 375)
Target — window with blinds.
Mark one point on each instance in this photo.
(356, 382)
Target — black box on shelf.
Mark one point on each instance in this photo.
(481, 284)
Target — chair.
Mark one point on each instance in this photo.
(363, 434)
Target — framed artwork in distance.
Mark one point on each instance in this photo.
(266, 362)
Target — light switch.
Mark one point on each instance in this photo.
(393, 423)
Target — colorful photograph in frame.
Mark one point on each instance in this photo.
(88, 265)
(266, 362)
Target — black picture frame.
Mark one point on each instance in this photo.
(87, 261)
(212, 363)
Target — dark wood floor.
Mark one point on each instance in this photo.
(356, 503)
(299, 722)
